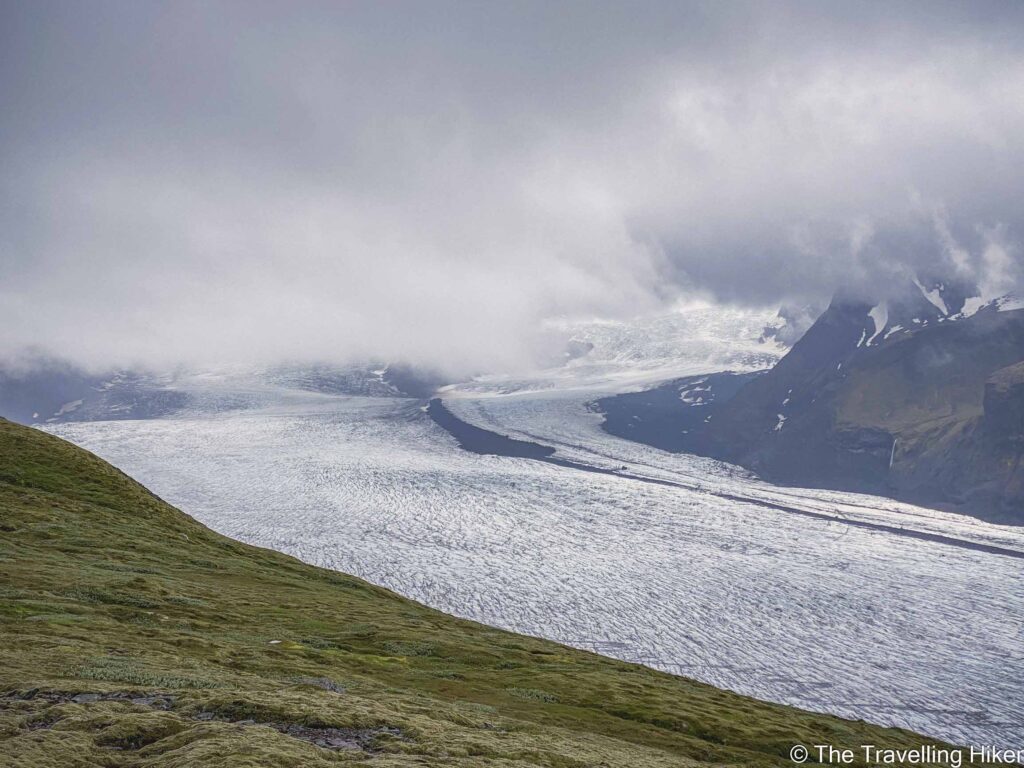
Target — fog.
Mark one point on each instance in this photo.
(430, 182)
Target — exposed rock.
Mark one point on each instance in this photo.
(339, 738)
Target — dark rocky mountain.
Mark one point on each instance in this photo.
(921, 399)
(675, 415)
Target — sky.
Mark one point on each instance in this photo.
(431, 181)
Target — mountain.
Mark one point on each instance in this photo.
(47, 391)
(921, 399)
(131, 635)
(674, 416)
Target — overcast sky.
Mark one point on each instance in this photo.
(429, 181)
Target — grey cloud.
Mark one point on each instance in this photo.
(219, 181)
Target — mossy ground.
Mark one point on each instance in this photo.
(105, 589)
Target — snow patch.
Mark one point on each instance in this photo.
(879, 314)
(1009, 303)
(68, 407)
(1006, 303)
(934, 297)
(694, 395)
(972, 305)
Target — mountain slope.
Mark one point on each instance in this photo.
(894, 401)
(131, 635)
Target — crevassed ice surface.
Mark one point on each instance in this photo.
(808, 612)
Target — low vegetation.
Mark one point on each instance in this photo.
(131, 635)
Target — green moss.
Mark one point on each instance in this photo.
(531, 694)
(134, 730)
(108, 590)
(123, 670)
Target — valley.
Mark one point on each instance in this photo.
(810, 612)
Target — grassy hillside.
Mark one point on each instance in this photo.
(131, 635)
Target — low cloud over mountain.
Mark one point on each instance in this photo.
(429, 182)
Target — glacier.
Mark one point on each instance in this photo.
(678, 562)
